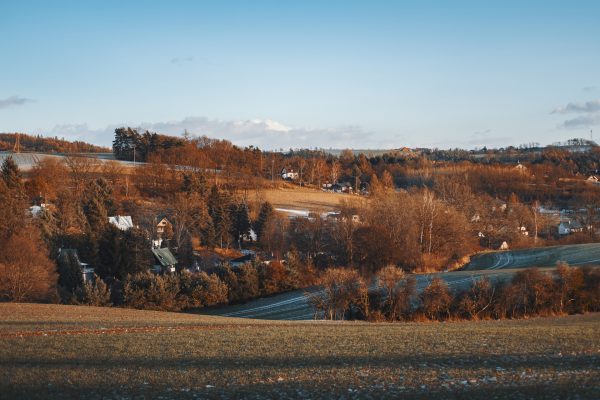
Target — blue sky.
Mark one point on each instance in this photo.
(280, 74)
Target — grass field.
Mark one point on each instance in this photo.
(299, 198)
(49, 351)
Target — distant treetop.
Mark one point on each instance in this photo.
(43, 144)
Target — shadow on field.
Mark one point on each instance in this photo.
(505, 361)
(304, 389)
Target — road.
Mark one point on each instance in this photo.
(26, 161)
(497, 266)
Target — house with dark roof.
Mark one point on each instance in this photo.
(247, 257)
(165, 259)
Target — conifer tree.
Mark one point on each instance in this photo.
(11, 174)
(70, 276)
(240, 222)
(265, 213)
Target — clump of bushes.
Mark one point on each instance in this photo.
(531, 292)
(173, 292)
(93, 293)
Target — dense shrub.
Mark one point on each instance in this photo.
(145, 290)
(398, 291)
(201, 290)
(93, 293)
(344, 294)
(436, 300)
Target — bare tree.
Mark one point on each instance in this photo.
(342, 290)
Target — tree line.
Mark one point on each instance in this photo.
(42, 144)
(394, 296)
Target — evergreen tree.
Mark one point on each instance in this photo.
(70, 276)
(11, 174)
(240, 222)
(48, 224)
(195, 183)
(98, 205)
(110, 254)
(137, 253)
(123, 253)
(264, 215)
(218, 208)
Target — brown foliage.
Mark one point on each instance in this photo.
(344, 291)
(436, 300)
(26, 273)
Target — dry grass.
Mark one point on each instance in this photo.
(299, 198)
(70, 352)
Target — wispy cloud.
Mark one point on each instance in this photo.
(589, 89)
(587, 107)
(483, 133)
(182, 60)
(14, 101)
(264, 133)
(486, 138)
(582, 121)
(589, 114)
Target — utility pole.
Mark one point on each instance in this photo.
(134, 155)
(272, 170)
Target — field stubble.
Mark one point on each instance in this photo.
(69, 352)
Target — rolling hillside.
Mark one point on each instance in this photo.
(53, 351)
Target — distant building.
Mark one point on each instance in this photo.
(593, 179)
(520, 166)
(247, 257)
(163, 226)
(289, 174)
(36, 211)
(568, 227)
(123, 222)
(166, 261)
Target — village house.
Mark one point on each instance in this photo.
(166, 261)
(36, 211)
(163, 226)
(336, 216)
(247, 257)
(520, 167)
(593, 179)
(289, 174)
(122, 222)
(569, 226)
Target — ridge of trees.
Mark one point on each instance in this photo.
(45, 144)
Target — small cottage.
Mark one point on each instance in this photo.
(123, 222)
(166, 261)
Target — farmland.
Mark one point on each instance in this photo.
(313, 200)
(70, 351)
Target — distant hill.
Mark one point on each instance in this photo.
(30, 143)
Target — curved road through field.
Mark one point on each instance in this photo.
(497, 266)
